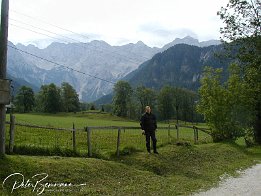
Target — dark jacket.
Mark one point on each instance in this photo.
(148, 122)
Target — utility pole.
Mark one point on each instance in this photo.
(4, 88)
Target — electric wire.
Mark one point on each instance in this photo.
(44, 30)
(53, 25)
(64, 29)
(60, 65)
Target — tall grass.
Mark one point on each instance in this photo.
(44, 141)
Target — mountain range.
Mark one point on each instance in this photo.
(179, 66)
(93, 60)
(191, 41)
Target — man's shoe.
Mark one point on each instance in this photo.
(156, 152)
(149, 152)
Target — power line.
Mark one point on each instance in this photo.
(36, 32)
(62, 28)
(132, 60)
(64, 66)
(44, 30)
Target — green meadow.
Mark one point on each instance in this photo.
(178, 170)
(66, 120)
(33, 140)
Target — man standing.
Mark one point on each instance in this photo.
(148, 125)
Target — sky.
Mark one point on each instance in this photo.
(118, 22)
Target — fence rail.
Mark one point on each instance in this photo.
(43, 127)
(97, 139)
(176, 127)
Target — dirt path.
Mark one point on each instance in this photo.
(247, 184)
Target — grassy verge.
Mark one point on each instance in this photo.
(176, 170)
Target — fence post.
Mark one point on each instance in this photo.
(89, 141)
(118, 142)
(74, 138)
(12, 129)
(195, 134)
(169, 138)
(177, 127)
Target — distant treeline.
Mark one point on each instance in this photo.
(50, 99)
(168, 103)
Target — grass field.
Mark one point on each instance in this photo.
(66, 120)
(53, 142)
(177, 170)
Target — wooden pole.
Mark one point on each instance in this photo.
(89, 142)
(169, 138)
(74, 138)
(195, 134)
(12, 133)
(3, 61)
(177, 127)
(118, 142)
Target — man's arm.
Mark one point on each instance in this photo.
(156, 126)
(142, 125)
(142, 122)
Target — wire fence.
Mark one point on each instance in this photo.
(33, 139)
(123, 140)
(93, 141)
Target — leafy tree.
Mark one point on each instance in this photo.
(122, 98)
(242, 20)
(165, 102)
(83, 106)
(145, 96)
(187, 101)
(108, 108)
(177, 103)
(70, 98)
(24, 100)
(93, 107)
(102, 109)
(49, 98)
(224, 107)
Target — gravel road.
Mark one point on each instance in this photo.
(247, 184)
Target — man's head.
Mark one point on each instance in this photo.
(147, 109)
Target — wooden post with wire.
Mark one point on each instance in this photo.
(169, 137)
(3, 62)
(74, 138)
(195, 134)
(118, 142)
(89, 141)
(177, 127)
(12, 133)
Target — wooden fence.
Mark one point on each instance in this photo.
(119, 129)
(14, 125)
(116, 131)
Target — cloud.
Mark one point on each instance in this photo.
(183, 32)
(158, 35)
(117, 22)
(160, 31)
(155, 29)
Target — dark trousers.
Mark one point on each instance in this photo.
(151, 134)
